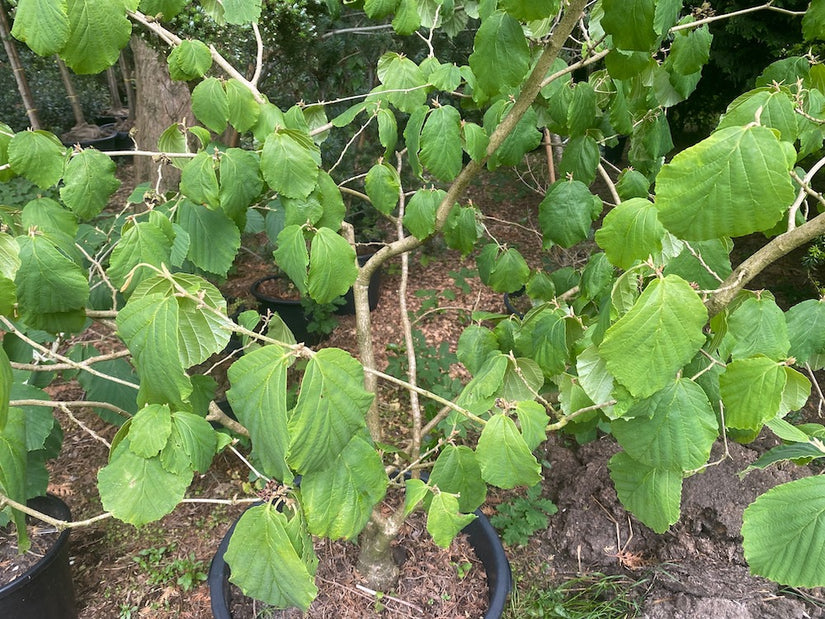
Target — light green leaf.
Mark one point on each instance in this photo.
(456, 471)
(330, 198)
(188, 61)
(757, 326)
(441, 151)
(9, 256)
(580, 159)
(149, 430)
(475, 344)
(446, 77)
(407, 19)
(173, 140)
(387, 129)
(382, 185)
(265, 562)
(141, 243)
(594, 378)
(213, 237)
(258, 397)
(339, 499)
(288, 163)
(652, 495)
(501, 56)
(292, 256)
(510, 272)
(566, 212)
(475, 141)
(662, 331)
(462, 229)
(707, 272)
(529, 10)
(731, 184)
(533, 420)
(674, 428)
(376, 9)
(198, 439)
(6, 380)
(38, 156)
(796, 392)
(210, 104)
(631, 231)
(813, 22)
(139, 490)
(444, 521)
(751, 391)
(504, 457)
(240, 183)
(243, 109)
(412, 137)
(149, 326)
(522, 381)
(806, 330)
(632, 184)
(199, 182)
(43, 25)
(331, 409)
(770, 107)
(690, 50)
(404, 81)
(419, 216)
(631, 22)
(543, 338)
(332, 269)
(97, 33)
(241, 11)
(784, 533)
(88, 183)
(415, 492)
(479, 392)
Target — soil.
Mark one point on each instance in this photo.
(13, 564)
(694, 570)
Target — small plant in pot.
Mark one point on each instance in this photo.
(656, 340)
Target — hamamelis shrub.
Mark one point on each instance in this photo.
(655, 339)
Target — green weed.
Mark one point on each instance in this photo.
(523, 516)
(594, 596)
(187, 572)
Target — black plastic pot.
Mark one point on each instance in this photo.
(290, 310)
(481, 535)
(107, 140)
(508, 303)
(45, 591)
(374, 291)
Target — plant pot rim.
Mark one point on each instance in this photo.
(55, 507)
(482, 537)
(255, 289)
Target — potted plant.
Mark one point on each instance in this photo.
(655, 339)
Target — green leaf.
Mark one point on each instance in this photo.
(784, 533)
(528, 10)
(580, 159)
(461, 230)
(376, 9)
(240, 183)
(412, 137)
(662, 331)
(43, 25)
(339, 499)
(331, 409)
(188, 61)
(594, 378)
(444, 521)
(199, 182)
(210, 104)
(796, 392)
(674, 428)
(173, 140)
(581, 115)
(441, 151)
(543, 338)
(38, 156)
(509, 273)
(13, 456)
(258, 397)
(243, 109)
(332, 269)
(504, 457)
(479, 392)
(631, 232)
(652, 495)
(139, 490)
(149, 326)
(446, 77)
(566, 212)
(631, 22)
(770, 107)
(291, 255)
(731, 184)
(329, 196)
(202, 331)
(501, 56)
(456, 471)
(265, 562)
(88, 183)
(523, 139)
(632, 184)
(387, 129)
(475, 344)
(149, 430)
(813, 22)
(706, 272)
(97, 33)
(533, 420)
(214, 239)
(382, 185)
(288, 163)
(415, 492)
(241, 11)
(476, 141)
(198, 439)
(403, 80)
(757, 326)
(806, 330)
(419, 216)
(141, 243)
(690, 50)
(751, 391)
(407, 19)
(6, 380)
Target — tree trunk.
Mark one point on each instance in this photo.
(74, 101)
(115, 103)
(17, 67)
(159, 103)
